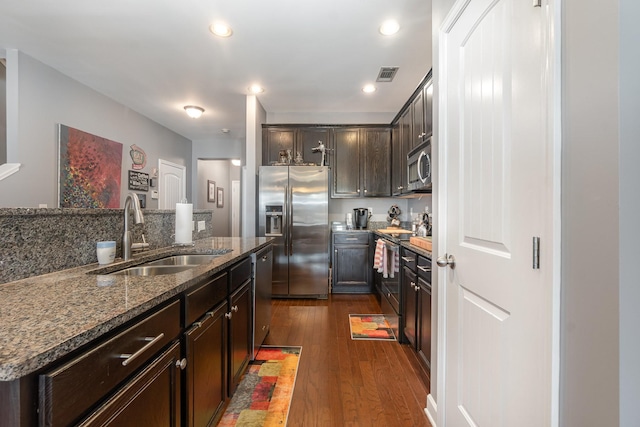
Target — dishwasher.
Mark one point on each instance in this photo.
(262, 283)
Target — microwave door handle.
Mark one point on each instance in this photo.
(422, 155)
(428, 166)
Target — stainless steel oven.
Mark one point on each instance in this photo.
(419, 168)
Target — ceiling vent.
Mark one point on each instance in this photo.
(387, 74)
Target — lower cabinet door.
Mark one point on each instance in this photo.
(409, 306)
(206, 371)
(424, 321)
(240, 333)
(151, 398)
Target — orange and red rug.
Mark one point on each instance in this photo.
(263, 397)
(370, 327)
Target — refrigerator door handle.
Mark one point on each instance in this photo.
(285, 222)
(290, 231)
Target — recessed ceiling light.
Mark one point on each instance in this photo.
(221, 29)
(225, 130)
(256, 89)
(369, 88)
(389, 27)
(193, 111)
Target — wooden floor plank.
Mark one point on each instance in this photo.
(343, 382)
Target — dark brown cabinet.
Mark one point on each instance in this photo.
(151, 398)
(240, 338)
(206, 371)
(361, 162)
(350, 263)
(416, 304)
(297, 139)
(346, 163)
(412, 126)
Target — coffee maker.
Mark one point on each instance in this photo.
(360, 218)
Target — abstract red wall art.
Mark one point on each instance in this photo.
(90, 170)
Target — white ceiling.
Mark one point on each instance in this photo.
(155, 56)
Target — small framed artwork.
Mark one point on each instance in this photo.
(220, 203)
(211, 191)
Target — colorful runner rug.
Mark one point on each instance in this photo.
(370, 327)
(263, 397)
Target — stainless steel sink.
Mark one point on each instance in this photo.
(192, 259)
(152, 270)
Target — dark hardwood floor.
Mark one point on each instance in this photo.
(343, 382)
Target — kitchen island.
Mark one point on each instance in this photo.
(52, 318)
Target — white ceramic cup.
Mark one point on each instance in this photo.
(106, 252)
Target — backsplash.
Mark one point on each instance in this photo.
(39, 241)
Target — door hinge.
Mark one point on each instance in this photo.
(536, 253)
(537, 3)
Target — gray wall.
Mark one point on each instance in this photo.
(43, 97)
(3, 114)
(589, 390)
(629, 212)
(220, 146)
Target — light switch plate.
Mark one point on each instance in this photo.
(154, 194)
(201, 225)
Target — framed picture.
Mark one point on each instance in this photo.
(220, 203)
(211, 191)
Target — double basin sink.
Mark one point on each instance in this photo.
(169, 265)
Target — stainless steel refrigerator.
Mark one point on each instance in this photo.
(294, 208)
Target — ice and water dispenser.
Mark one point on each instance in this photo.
(274, 220)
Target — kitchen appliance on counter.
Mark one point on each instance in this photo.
(298, 197)
(419, 168)
(360, 218)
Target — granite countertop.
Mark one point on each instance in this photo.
(46, 317)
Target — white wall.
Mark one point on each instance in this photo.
(3, 114)
(39, 98)
(218, 147)
(629, 212)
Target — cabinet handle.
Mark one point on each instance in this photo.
(181, 364)
(358, 190)
(365, 190)
(351, 238)
(407, 259)
(425, 269)
(129, 357)
(264, 258)
(400, 187)
(417, 288)
(228, 315)
(234, 308)
(335, 250)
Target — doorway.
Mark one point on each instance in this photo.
(172, 185)
(219, 175)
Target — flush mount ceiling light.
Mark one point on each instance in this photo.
(220, 29)
(193, 111)
(369, 88)
(236, 162)
(389, 28)
(256, 89)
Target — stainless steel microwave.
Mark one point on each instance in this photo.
(419, 168)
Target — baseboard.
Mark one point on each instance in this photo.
(431, 410)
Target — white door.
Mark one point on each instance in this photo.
(235, 208)
(172, 184)
(496, 181)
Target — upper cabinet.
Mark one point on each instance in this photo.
(412, 126)
(297, 139)
(361, 162)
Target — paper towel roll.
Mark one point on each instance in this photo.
(184, 217)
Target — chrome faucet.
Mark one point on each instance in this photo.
(127, 240)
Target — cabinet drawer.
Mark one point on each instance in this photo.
(409, 259)
(204, 297)
(239, 273)
(68, 392)
(424, 268)
(351, 238)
